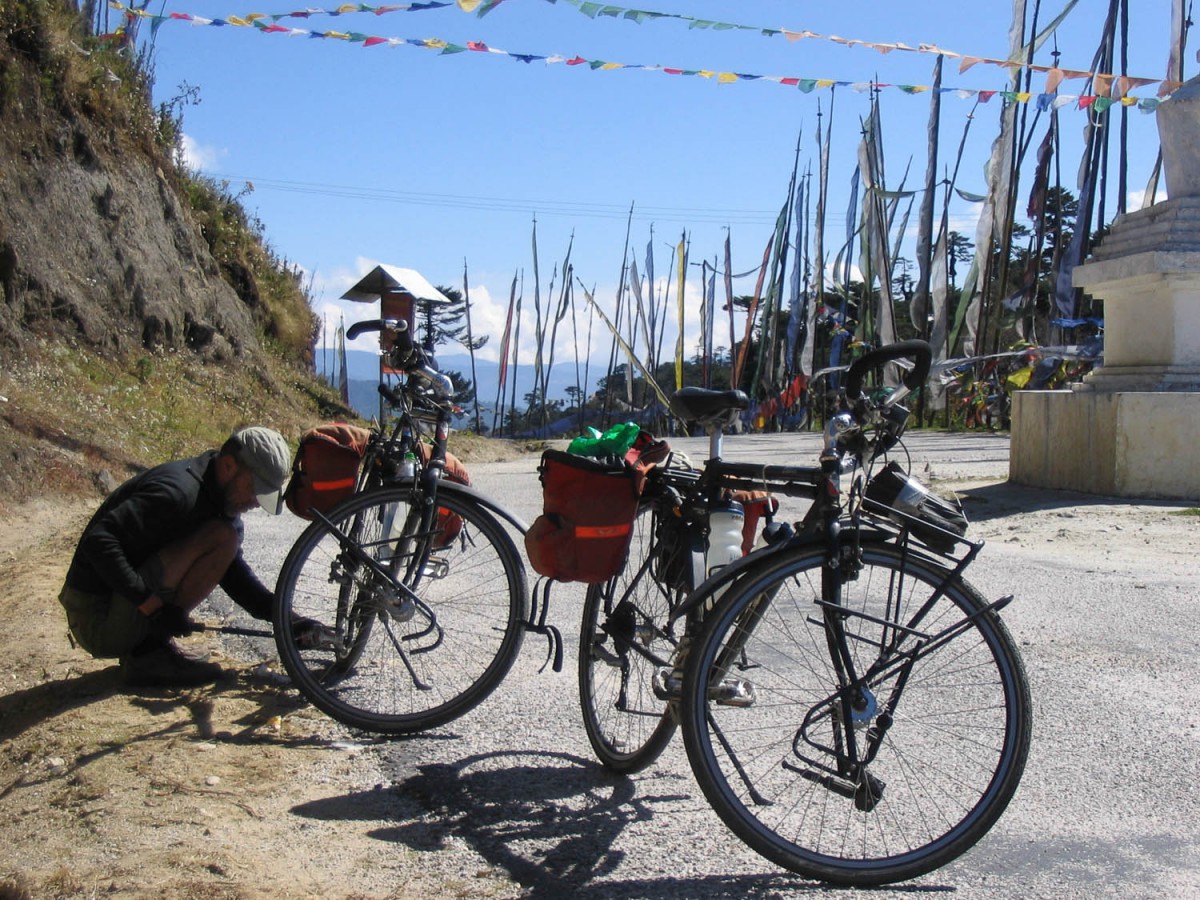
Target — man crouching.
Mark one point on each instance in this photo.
(160, 544)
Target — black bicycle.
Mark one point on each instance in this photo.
(851, 707)
(415, 580)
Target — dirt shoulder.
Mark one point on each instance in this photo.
(190, 793)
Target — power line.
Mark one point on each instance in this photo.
(566, 208)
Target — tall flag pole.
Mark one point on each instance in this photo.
(998, 173)
(823, 142)
(587, 357)
(664, 309)
(623, 310)
(919, 308)
(539, 328)
(729, 302)
(764, 369)
(752, 312)
(471, 347)
(939, 328)
(769, 355)
(681, 261)
(560, 313)
(797, 303)
(617, 319)
(516, 347)
(655, 319)
(343, 369)
(504, 342)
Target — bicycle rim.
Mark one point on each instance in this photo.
(763, 734)
(624, 640)
(399, 661)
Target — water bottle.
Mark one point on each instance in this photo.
(408, 465)
(725, 521)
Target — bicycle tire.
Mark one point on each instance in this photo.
(949, 761)
(474, 585)
(625, 622)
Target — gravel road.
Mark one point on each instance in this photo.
(1108, 807)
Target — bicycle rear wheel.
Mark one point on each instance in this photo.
(773, 728)
(625, 639)
(423, 615)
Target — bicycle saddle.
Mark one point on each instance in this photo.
(708, 407)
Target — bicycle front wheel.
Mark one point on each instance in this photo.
(625, 640)
(422, 615)
(863, 744)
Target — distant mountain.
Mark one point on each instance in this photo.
(363, 369)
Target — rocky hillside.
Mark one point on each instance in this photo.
(142, 314)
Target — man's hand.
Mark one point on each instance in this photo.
(169, 621)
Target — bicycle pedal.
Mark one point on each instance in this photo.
(667, 684)
(436, 567)
(733, 692)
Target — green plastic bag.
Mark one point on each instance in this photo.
(614, 442)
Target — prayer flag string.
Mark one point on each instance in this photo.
(1115, 88)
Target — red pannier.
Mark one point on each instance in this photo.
(584, 531)
(325, 469)
(589, 505)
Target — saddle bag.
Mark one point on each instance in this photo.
(587, 520)
(325, 469)
(589, 506)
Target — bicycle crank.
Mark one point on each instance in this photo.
(866, 792)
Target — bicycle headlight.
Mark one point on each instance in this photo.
(937, 522)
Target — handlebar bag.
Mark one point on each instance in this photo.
(325, 469)
(585, 528)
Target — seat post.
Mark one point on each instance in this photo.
(714, 441)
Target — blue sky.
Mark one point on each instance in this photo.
(404, 155)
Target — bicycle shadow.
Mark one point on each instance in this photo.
(551, 826)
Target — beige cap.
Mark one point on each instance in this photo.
(268, 456)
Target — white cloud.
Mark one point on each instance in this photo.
(1134, 200)
(199, 157)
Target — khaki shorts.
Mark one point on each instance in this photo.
(106, 627)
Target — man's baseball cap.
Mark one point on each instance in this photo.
(269, 458)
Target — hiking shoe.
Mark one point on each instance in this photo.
(309, 634)
(167, 666)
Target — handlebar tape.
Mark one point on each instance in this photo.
(922, 357)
